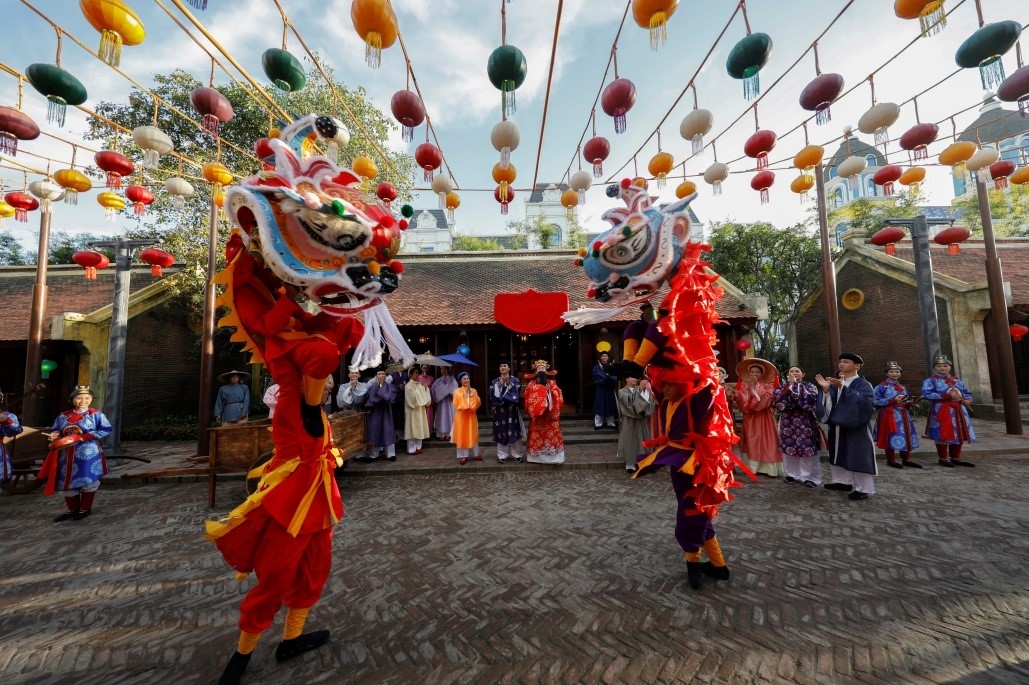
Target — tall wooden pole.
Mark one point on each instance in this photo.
(31, 407)
(832, 312)
(926, 291)
(207, 341)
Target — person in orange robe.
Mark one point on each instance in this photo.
(755, 396)
(465, 434)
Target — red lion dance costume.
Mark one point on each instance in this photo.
(307, 231)
(646, 248)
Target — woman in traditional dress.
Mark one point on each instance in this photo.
(894, 429)
(755, 393)
(949, 424)
(800, 438)
(543, 402)
(465, 434)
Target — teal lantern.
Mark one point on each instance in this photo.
(984, 49)
(746, 59)
(506, 68)
(46, 366)
(284, 70)
(59, 87)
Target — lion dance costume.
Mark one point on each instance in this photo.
(645, 248)
(305, 230)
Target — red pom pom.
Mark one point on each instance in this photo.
(743, 345)
(403, 224)
(597, 245)
(398, 267)
(626, 182)
(592, 292)
(388, 222)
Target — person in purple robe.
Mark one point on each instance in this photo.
(508, 430)
(380, 398)
(845, 403)
(443, 403)
(800, 437)
(9, 427)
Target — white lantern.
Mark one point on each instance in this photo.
(877, 119)
(505, 138)
(715, 174)
(580, 182)
(980, 163)
(47, 192)
(153, 142)
(695, 126)
(442, 184)
(179, 189)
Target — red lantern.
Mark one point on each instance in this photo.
(386, 192)
(429, 158)
(759, 145)
(15, 125)
(917, 138)
(888, 237)
(951, 237)
(818, 95)
(156, 259)
(999, 172)
(886, 176)
(761, 182)
(23, 203)
(140, 197)
(595, 152)
(742, 345)
(409, 110)
(215, 108)
(507, 197)
(116, 165)
(90, 260)
(618, 98)
(1018, 331)
(1015, 88)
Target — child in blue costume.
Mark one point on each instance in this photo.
(949, 425)
(894, 430)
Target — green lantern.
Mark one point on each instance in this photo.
(506, 69)
(984, 49)
(746, 59)
(284, 70)
(59, 87)
(46, 366)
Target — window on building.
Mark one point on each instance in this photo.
(837, 198)
(872, 161)
(840, 230)
(869, 187)
(833, 172)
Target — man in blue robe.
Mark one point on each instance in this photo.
(508, 431)
(381, 397)
(605, 405)
(846, 404)
(233, 402)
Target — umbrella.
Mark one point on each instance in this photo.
(430, 359)
(458, 359)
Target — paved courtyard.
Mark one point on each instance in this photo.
(543, 577)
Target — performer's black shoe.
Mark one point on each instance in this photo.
(717, 572)
(695, 574)
(857, 495)
(790, 479)
(895, 464)
(288, 649)
(947, 463)
(392, 457)
(79, 515)
(518, 460)
(810, 484)
(235, 669)
(312, 420)
(961, 462)
(596, 427)
(842, 487)
(66, 516)
(912, 465)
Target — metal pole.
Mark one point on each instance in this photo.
(31, 405)
(832, 312)
(116, 341)
(926, 291)
(207, 341)
(999, 318)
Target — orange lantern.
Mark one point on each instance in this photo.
(654, 15)
(660, 165)
(570, 200)
(930, 14)
(505, 177)
(685, 189)
(912, 178)
(118, 25)
(801, 185)
(453, 202)
(366, 169)
(73, 182)
(956, 154)
(218, 175)
(376, 23)
(112, 204)
(809, 157)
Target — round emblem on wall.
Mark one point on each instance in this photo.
(852, 299)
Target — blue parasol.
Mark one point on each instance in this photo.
(457, 359)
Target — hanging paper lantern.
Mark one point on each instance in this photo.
(47, 192)
(570, 200)
(714, 175)
(912, 178)
(980, 163)
(743, 344)
(595, 151)
(118, 25)
(617, 99)
(956, 154)
(179, 189)
(283, 69)
(580, 182)
(429, 158)
(505, 138)
(984, 49)
(1015, 88)
(505, 177)
(851, 167)
(660, 166)
(153, 142)
(6, 212)
(653, 15)
(695, 126)
(1000, 171)
(886, 176)
(877, 119)
(59, 87)
(157, 259)
(761, 182)
(759, 145)
(409, 110)
(112, 204)
(386, 192)
(214, 107)
(73, 182)
(506, 69)
(931, 14)
(801, 185)
(1021, 178)
(746, 59)
(218, 175)
(809, 157)
(443, 185)
(116, 165)
(452, 203)
(140, 197)
(952, 237)
(504, 202)
(819, 94)
(1018, 331)
(917, 139)
(15, 125)
(685, 189)
(365, 168)
(376, 23)
(887, 238)
(90, 260)
(22, 203)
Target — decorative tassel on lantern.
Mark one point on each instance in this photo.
(933, 18)
(113, 180)
(56, 109)
(658, 30)
(762, 161)
(211, 124)
(764, 196)
(984, 175)
(888, 188)
(698, 143)
(823, 115)
(8, 144)
(752, 85)
(991, 72)
(620, 121)
(716, 188)
(507, 97)
(503, 191)
(110, 48)
(882, 137)
(891, 249)
(503, 207)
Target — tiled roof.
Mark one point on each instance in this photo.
(457, 288)
(536, 196)
(969, 266)
(994, 124)
(857, 148)
(67, 291)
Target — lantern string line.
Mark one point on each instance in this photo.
(430, 129)
(546, 98)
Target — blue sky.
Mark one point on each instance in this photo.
(449, 42)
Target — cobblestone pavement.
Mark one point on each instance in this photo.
(544, 577)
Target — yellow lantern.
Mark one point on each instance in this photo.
(6, 212)
(912, 178)
(504, 177)
(654, 15)
(956, 154)
(1021, 179)
(73, 182)
(112, 204)
(570, 200)
(453, 201)
(931, 14)
(219, 199)
(801, 185)
(366, 169)
(376, 23)
(660, 165)
(218, 175)
(809, 157)
(118, 25)
(685, 189)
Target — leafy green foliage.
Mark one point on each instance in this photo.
(473, 243)
(869, 214)
(11, 251)
(536, 228)
(1010, 212)
(162, 429)
(63, 245)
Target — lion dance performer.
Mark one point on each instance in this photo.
(305, 230)
(644, 248)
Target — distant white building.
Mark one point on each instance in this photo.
(998, 128)
(429, 231)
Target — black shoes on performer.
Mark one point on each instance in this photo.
(716, 572)
(72, 515)
(912, 465)
(288, 649)
(696, 570)
(235, 669)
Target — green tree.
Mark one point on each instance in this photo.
(473, 243)
(784, 265)
(536, 228)
(576, 235)
(1009, 210)
(11, 251)
(869, 214)
(63, 245)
